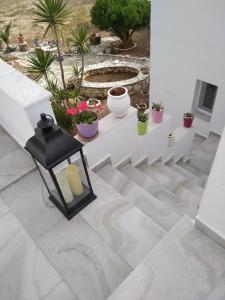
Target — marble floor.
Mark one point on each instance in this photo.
(14, 161)
(135, 241)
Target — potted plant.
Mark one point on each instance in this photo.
(118, 101)
(142, 124)
(95, 39)
(141, 107)
(21, 38)
(188, 119)
(157, 112)
(85, 119)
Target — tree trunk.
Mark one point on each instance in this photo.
(82, 73)
(59, 57)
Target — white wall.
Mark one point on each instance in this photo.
(21, 102)
(212, 209)
(187, 43)
(118, 140)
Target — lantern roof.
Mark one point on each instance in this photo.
(51, 144)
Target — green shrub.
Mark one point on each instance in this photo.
(122, 17)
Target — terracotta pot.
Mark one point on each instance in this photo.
(188, 122)
(88, 131)
(21, 39)
(157, 116)
(118, 101)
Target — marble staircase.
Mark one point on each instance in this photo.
(169, 195)
(137, 240)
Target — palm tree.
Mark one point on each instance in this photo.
(80, 40)
(39, 65)
(52, 13)
(4, 35)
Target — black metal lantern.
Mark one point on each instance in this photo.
(70, 186)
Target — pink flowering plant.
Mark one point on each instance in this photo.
(81, 113)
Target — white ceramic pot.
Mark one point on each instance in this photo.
(118, 104)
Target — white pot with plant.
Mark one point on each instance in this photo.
(118, 101)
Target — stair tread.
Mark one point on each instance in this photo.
(211, 143)
(128, 231)
(156, 174)
(184, 172)
(135, 194)
(188, 196)
(179, 205)
(185, 265)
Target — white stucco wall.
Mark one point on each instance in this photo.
(21, 103)
(187, 43)
(212, 208)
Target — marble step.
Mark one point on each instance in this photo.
(168, 195)
(156, 174)
(187, 174)
(188, 196)
(198, 139)
(194, 188)
(202, 159)
(178, 204)
(185, 265)
(211, 143)
(135, 194)
(200, 179)
(128, 231)
(194, 170)
(181, 200)
(218, 293)
(171, 173)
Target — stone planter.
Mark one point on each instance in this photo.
(157, 116)
(95, 40)
(88, 131)
(118, 101)
(142, 127)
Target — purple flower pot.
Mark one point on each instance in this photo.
(88, 131)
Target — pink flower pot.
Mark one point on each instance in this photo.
(88, 131)
(157, 116)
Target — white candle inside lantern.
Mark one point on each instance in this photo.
(64, 185)
(74, 180)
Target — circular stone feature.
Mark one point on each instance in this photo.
(111, 74)
(99, 78)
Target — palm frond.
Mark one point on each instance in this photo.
(80, 40)
(40, 63)
(51, 12)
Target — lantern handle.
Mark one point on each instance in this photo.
(46, 121)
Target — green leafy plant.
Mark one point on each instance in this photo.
(53, 13)
(4, 35)
(123, 18)
(39, 64)
(157, 106)
(62, 118)
(188, 115)
(142, 117)
(85, 117)
(80, 40)
(76, 72)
